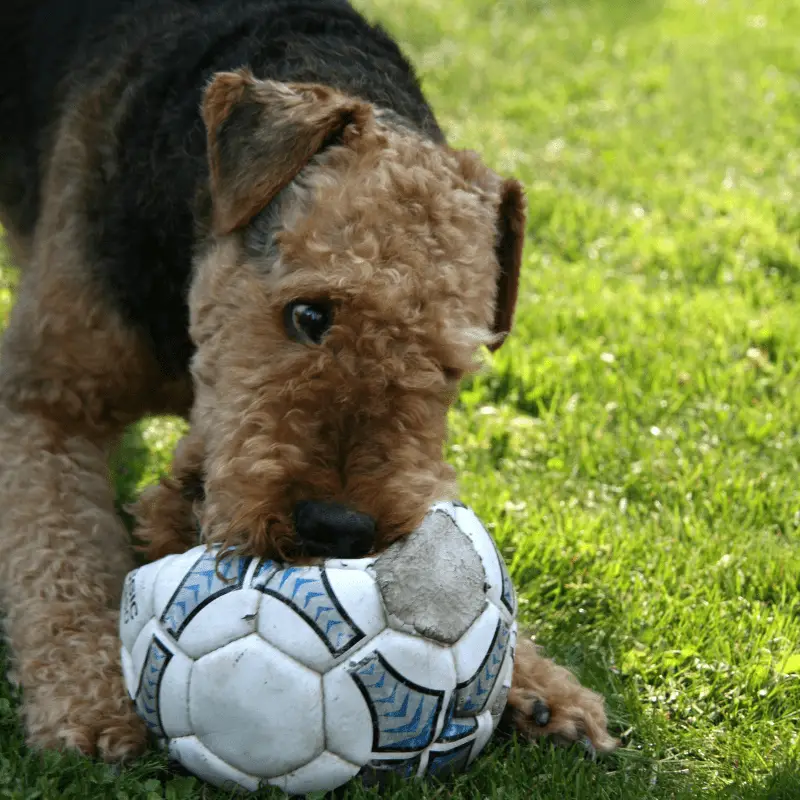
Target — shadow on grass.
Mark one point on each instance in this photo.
(783, 783)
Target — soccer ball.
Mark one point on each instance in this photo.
(304, 677)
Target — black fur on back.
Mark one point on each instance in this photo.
(141, 214)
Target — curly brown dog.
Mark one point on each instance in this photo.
(243, 212)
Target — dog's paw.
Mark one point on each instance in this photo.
(74, 697)
(110, 732)
(114, 739)
(547, 701)
(580, 721)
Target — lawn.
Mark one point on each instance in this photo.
(636, 445)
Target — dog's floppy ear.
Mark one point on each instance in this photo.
(510, 239)
(510, 236)
(262, 133)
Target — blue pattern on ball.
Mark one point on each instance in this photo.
(455, 729)
(149, 684)
(404, 715)
(204, 582)
(264, 571)
(378, 771)
(473, 694)
(442, 765)
(308, 591)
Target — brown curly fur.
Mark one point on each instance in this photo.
(167, 513)
(72, 376)
(407, 325)
(417, 246)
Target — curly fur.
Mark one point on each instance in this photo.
(160, 244)
(406, 325)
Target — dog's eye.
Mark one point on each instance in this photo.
(307, 322)
(453, 375)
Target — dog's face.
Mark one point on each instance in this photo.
(355, 272)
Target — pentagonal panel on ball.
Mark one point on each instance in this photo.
(228, 616)
(317, 615)
(432, 582)
(325, 773)
(200, 761)
(256, 708)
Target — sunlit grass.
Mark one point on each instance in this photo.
(636, 445)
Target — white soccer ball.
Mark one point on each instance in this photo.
(304, 677)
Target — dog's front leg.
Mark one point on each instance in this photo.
(65, 554)
(72, 375)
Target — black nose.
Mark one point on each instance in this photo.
(331, 530)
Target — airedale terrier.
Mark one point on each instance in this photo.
(243, 212)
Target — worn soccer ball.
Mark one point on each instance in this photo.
(305, 677)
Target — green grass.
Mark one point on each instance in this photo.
(636, 445)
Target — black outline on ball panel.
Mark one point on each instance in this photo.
(505, 573)
(359, 635)
(463, 684)
(347, 618)
(451, 718)
(437, 693)
(453, 753)
(168, 654)
(262, 562)
(485, 659)
(232, 587)
(370, 707)
(197, 610)
(376, 772)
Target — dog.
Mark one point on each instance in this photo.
(243, 212)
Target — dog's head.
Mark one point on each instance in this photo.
(354, 272)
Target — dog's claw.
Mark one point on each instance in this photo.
(540, 712)
(589, 748)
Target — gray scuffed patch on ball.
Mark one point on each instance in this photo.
(433, 581)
